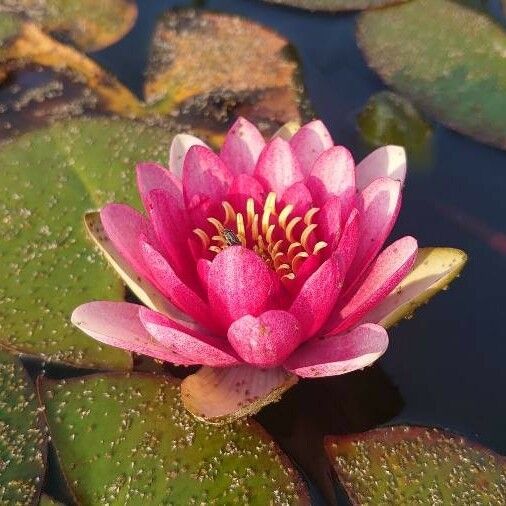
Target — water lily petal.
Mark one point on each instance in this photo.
(178, 150)
(206, 181)
(434, 269)
(266, 340)
(333, 174)
(348, 242)
(242, 147)
(240, 283)
(223, 395)
(152, 176)
(118, 324)
(387, 161)
(339, 354)
(391, 266)
(300, 197)
(380, 202)
(309, 142)
(243, 187)
(329, 221)
(180, 294)
(317, 297)
(277, 168)
(198, 347)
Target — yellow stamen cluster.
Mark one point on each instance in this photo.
(282, 240)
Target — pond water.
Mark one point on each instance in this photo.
(444, 367)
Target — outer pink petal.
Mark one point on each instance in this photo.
(178, 150)
(317, 297)
(124, 225)
(200, 348)
(348, 242)
(118, 324)
(171, 228)
(333, 174)
(153, 176)
(240, 283)
(242, 147)
(266, 340)
(277, 168)
(387, 161)
(329, 221)
(181, 295)
(300, 197)
(203, 267)
(243, 187)
(380, 202)
(309, 142)
(339, 354)
(206, 180)
(386, 272)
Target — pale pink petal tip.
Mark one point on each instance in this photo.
(178, 150)
(335, 355)
(387, 161)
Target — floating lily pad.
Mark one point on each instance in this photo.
(336, 5)
(126, 439)
(453, 69)
(50, 178)
(416, 465)
(209, 68)
(388, 118)
(90, 24)
(22, 439)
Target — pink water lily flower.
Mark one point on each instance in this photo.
(262, 263)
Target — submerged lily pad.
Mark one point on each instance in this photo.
(336, 5)
(209, 68)
(22, 439)
(453, 69)
(50, 178)
(90, 24)
(416, 465)
(388, 118)
(126, 439)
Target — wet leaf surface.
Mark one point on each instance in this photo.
(126, 439)
(207, 69)
(388, 118)
(336, 5)
(89, 24)
(50, 178)
(45, 500)
(416, 465)
(453, 69)
(22, 439)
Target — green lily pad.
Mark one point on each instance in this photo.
(126, 439)
(90, 24)
(22, 438)
(336, 5)
(50, 178)
(453, 69)
(388, 118)
(416, 465)
(9, 27)
(207, 69)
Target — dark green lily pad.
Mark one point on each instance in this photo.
(388, 118)
(416, 465)
(22, 438)
(453, 69)
(50, 178)
(89, 24)
(335, 5)
(208, 68)
(126, 439)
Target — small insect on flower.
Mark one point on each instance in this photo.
(231, 237)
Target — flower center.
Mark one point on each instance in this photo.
(284, 241)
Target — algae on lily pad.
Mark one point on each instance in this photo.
(50, 178)
(208, 68)
(22, 437)
(416, 465)
(89, 24)
(335, 5)
(447, 58)
(126, 439)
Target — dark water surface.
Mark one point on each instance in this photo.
(445, 367)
